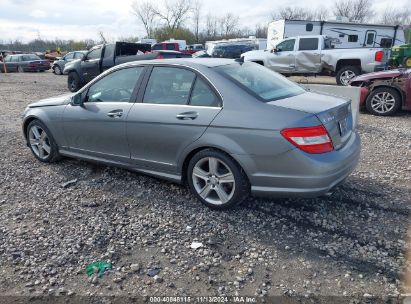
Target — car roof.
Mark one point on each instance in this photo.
(207, 62)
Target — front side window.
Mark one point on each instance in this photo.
(94, 54)
(308, 44)
(117, 86)
(15, 59)
(69, 56)
(259, 81)
(170, 47)
(202, 95)
(352, 38)
(286, 45)
(169, 85)
(78, 55)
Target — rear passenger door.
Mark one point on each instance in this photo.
(308, 56)
(174, 110)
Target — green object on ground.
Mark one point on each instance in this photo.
(98, 267)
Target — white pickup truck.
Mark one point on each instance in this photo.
(317, 55)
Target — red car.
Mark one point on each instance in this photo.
(384, 93)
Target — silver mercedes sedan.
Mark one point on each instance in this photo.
(224, 127)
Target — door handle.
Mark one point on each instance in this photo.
(115, 113)
(187, 115)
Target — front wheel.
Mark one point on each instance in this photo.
(57, 70)
(346, 73)
(41, 142)
(383, 101)
(73, 81)
(407, 62)
(217, 180)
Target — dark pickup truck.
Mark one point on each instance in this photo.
(101, 58)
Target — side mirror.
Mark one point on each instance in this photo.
(77, 100)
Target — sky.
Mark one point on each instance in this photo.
(26, 20)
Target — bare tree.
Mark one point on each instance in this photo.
(173, 12)
(145, 12)
(292, 13)
(229, 24)
(196, 18)
(103, 39)
(211, 29)
(321, 13)
(354, 10)
(394, 16)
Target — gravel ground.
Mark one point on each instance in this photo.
(352, 243)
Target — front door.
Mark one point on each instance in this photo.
(282, 59)
(90, 66)
(308, 56)
(177, 107)
(97, 128)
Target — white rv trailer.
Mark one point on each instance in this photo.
(349, 35)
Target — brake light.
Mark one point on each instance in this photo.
(314, 140)
(379, 55)
(160, 56)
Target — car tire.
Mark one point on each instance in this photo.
(226, 182)
(20, 69)
(407, 62)
(41, 143)
(73, 81)
(57, 70)
(383, 101)
(346, 73)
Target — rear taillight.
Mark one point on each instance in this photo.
(313, 140)
(160, 56)
(379, 56)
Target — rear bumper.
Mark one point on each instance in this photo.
(298, 174)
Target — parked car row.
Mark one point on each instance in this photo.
(24, 63)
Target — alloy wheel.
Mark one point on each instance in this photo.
(382, 102)
(346, 76)
(39, 142)
(213, 180)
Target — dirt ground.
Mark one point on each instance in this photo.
(349, 245)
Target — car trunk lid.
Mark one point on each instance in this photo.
(334, 113)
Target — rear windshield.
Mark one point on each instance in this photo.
(261, 82)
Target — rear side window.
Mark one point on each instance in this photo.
(308, 44)
(202, 95)
(169, 86)
(259, 81)
(352, 38)
(170, 47)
